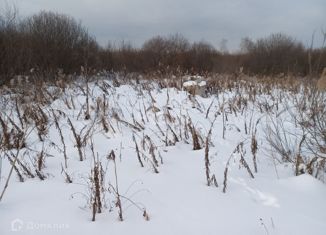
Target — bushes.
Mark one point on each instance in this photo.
(9, 41)
(275, 54)
(46, 41)
(50, 41)
(175, 52)
(57, 41)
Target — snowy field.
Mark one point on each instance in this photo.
(146, 157)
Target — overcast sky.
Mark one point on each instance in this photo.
(209, 20)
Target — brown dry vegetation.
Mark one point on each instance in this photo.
(65, 45)
(31, 107)
(321, 84)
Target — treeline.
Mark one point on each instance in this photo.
(47, 42)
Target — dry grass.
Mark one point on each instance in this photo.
(321, 83)
(31, 110)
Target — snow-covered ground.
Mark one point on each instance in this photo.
(173, 191)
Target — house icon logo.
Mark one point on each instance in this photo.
(17, 225)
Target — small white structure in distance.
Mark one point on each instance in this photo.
(195, 85)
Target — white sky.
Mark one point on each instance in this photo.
(209, 20)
